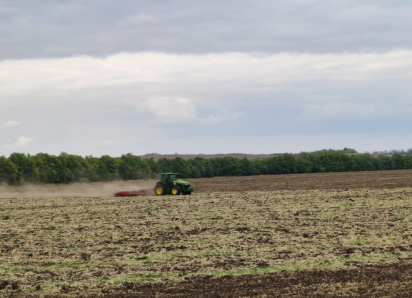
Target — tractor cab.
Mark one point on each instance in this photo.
(168, 178)
(170, 184)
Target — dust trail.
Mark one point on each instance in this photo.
(96, 189)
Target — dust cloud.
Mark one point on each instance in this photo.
(96, 189)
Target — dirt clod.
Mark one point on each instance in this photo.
(3, 284)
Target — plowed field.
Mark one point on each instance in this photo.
(322, 235)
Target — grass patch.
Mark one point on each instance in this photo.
(64, 266)
(143, 259)
(356, 242)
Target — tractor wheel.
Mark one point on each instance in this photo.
(188, 193)
(159, 189)
(176, 190)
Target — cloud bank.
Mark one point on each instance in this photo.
(130, 98)
(49, 28)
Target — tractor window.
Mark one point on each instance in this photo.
(173, 177)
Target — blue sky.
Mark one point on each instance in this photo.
(105, 77)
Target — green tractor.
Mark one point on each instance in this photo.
(169, 184)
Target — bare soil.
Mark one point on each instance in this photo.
(318, 235)
(354, 180)
(391, 280)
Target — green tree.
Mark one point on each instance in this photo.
(133, 167)
(304, 164)
(153, 167)
(261, 166)
(47, 165)
(91, 168)
(248, 167)
(399, 161)
(71, 168)
(286, 164)
(408, 162)
(26, 166)
(8, 171)
(108, 168)
(182, 167)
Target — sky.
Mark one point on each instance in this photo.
(247, 76)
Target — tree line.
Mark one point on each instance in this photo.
(21, 168)
(395, 151)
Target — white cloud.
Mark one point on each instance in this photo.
(22, 142)
(11, 123)
(175, 110)
(218, 118)
(172, 110)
